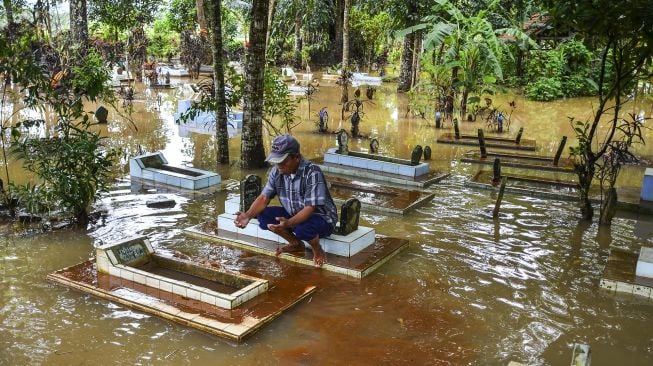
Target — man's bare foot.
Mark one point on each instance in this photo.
(289, 248)
(319, 256)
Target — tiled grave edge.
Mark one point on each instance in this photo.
(238, 333)
(376, 175)
(196, 231)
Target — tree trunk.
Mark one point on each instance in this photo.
(297, 47)
(271, 10)
(345, 54)
(609, 207)
(221, 134)
(406, 70)
(417, 50)
(584, 183)
(79, 22)
(201, 18)
(9, 11)
(337, 46)
(252, 153)
(463, 103)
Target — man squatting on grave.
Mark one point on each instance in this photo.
(308, 211)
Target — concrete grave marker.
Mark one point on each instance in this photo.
(250, 189)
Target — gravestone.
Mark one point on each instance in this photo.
(355, 121)
(427, 153)
(456, 130)
(561, 148)
(324, 119)
(496, 171)
(131, 253)
(481, 143)
(374, 146)
(250, 189)
(101, 114)
(416, 155)
(342, 140)
(518, 139)
(349, 215)
(438, 119)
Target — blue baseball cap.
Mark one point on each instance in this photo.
(282, 146)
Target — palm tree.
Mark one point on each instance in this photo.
(221, 134)
(252, 153)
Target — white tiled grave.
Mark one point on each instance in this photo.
(122, 259)
(645, 263)
(155, 167)
(344, 246)
(647, 185)
(376, 163)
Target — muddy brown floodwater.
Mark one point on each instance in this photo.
(468, 290)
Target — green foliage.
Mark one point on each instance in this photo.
(163, 39)
(278, 103)
(181, 15)
(73, 167)
(565, 71)
(545, 89)
(121, 15)
(367, 34)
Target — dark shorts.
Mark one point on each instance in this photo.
(307, 230)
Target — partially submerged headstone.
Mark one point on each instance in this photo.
(416, 155)
(561, 148)
(101, 114)
(349, 216)
(481, 143)
(250, 189)
(342, 140)
(496, 171)
(518, 138)
(427, 153)
(374, 146)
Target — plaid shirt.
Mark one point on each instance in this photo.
(307, 188)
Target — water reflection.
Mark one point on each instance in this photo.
(469, 290)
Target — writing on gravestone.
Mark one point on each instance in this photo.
(250, 189)
(129, 252)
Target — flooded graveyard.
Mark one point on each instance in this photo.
(455, 287)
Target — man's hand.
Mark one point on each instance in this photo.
(241, 220)
(282, 225)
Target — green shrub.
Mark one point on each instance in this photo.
(545, 89)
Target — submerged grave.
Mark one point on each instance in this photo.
(352, 250)
(383, 168)
(628, 272)
(517, 143)
(524, 161)
(377, 197)
(154, 167)
(202, 296)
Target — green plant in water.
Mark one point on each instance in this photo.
(73, 166)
